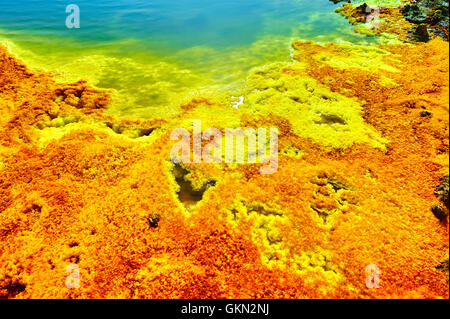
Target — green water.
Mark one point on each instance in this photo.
(156, 54)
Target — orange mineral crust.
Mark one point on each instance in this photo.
(101, 193)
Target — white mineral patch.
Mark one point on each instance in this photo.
(236, 104)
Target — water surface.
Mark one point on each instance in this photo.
(156, 53)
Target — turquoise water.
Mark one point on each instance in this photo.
(158, 52)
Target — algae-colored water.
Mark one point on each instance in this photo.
(156, 54)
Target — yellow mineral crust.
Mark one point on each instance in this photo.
(358, 166)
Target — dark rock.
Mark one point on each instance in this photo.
(365, 11)
(415, 14)
(425, 114)
(442, 191)
(419, 33)
(154, 220)
(431, 13)
(339, 1)
(440, 211)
